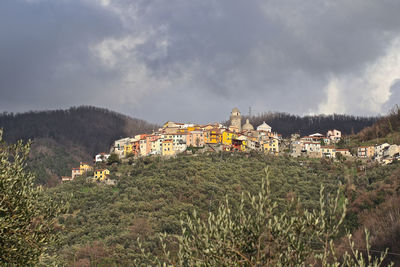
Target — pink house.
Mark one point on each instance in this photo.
(195, 139)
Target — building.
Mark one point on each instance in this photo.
(379, 149)
(334, 135)
(179, 142)
(167, 148)
(101, 174)
(84, 167)
(119, 146)
(365, 151)
(75, 172)
(213, 136)
(102, 157)
(156, 145)
(328, 151)
(236, 120)
(239, 143)
(391, 151)
(227, 137)
(66, 178)
(271, 146)
(264, 127)
(312, 149)
(247, 127)
(144, 145)
(195, 139)
(296, 148)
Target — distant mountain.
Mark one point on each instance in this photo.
(62, 138)
(287, 124)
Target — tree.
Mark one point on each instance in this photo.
(27, 217)
(263, 232)
(113, 158)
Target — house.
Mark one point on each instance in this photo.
(252, 142)
(144, 145)
(129, 149)
(239, 143)
(312, 149)
(379, 149)
(271, 146)
(101, 174)
(296, 148)
(102, 157)
(391, 151)
(119, 146)
(195, 139)
(365, 151)
(66, 178)
(84, 167)
(328, 151)
(312, 138)
(179, 141)
(227, 137)
(334, 135)
(212, 136)
(156, 145)
(75, 172)
(317, 135)
(167, 147)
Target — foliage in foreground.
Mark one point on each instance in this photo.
(263, 232)
(26, 215)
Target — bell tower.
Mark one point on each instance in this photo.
(236, 119)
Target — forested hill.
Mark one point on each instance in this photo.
(93, 129)
(287, 124)
(386, 129)
(62, 138)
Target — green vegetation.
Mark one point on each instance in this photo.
(258, 233)
(104, 222)
(63, 138)
(27, 217)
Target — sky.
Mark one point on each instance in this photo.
(194, 60)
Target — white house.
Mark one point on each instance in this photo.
(102, 157)
(334, 135)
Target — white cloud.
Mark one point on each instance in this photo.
(366, 92)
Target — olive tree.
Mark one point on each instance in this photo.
(27, 217)
(262, 231)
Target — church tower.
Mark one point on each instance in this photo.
(236, 120)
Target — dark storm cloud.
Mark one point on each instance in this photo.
(44, 51)
(194, 60)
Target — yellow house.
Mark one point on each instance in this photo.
(101, 174)
(167, 148)
(212, 137)
(128, 149)
(328, 151)
(227, 137)
(84, 167)
(271, 146)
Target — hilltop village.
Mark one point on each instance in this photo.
(175, 138)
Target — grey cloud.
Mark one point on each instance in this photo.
(193, 59)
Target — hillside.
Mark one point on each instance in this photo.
(386, 129)
(287, 124)
(103, 222)
(62, 138)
